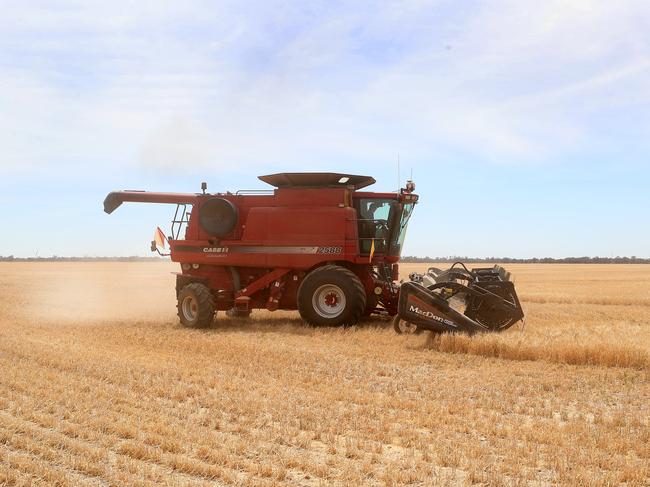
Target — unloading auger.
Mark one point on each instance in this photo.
(458, 300)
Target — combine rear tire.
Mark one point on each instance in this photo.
(196, 305)
(331, 296)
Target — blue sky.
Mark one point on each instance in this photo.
(526, 124)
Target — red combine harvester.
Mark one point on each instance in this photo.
(318, 244)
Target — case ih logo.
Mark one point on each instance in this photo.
(215, 250)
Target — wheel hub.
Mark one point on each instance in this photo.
(329, 301)
(190, 308)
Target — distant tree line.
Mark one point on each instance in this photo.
(406, 259)
(55, 258)
(533, 260)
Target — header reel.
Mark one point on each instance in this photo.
(458, 300)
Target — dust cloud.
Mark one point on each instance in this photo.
(78, 293)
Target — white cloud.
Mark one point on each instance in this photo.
(177, 144)
(161, 82)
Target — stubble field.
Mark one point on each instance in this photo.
(99, 385)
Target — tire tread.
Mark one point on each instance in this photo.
(359, 298)
(206, 305)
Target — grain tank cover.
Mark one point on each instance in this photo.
(218, 216)
(317, 180)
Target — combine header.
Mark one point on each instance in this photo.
(318, 244)
(458, 299)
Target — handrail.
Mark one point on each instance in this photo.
(254, 191)
(177, 224)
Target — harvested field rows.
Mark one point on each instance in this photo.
(99, 385)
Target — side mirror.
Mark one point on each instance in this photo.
(154, 247)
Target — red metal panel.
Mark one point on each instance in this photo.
(306, 226)
(256, 225)
(301, 198)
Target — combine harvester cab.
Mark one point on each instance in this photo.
(458, 300)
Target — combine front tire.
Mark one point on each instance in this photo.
(331, 296)
(196, 305)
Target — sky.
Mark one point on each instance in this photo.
(525, 125)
